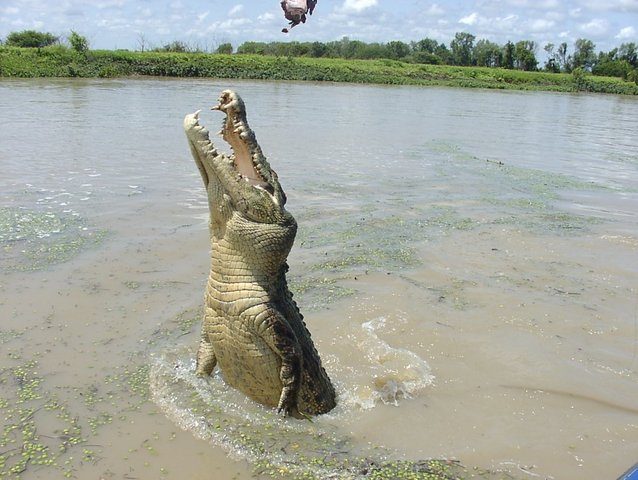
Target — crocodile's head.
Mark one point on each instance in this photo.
(241, 183)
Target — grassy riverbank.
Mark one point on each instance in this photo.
(59, 61)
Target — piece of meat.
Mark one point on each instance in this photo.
(295, 11)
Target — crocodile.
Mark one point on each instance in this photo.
(252, 328)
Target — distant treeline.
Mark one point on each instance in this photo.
(73, 58)
(463, 50)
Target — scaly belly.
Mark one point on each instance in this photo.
(245, 360)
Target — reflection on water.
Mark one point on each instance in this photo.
(466, 261)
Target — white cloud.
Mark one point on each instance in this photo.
(595, 27)
(266, 17)
(483, 25)
(471, 19)
(541, 25)
(114, 23)
(535, 4)
(110, 4)
(626, 33)
(434, 11)
(235, 10)
(358, 5)
(613, 5)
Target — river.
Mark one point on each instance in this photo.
(467, 262)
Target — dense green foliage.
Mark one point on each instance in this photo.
(59, 61)
(620, 62)
(31, 39)
(78, 43)
(462, 51)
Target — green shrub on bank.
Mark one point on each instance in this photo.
(59, 61)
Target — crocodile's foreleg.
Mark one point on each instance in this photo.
(275, 331)
(206, 359)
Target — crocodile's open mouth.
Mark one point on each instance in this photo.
(244, 174)
(247, 156)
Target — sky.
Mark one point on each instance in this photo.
(205, 24)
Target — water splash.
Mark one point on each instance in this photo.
(276, 447)
(385, 374)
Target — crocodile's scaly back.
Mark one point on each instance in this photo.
(252, 327)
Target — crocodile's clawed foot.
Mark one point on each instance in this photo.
(287, 405)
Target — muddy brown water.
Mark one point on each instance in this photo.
(467, 262)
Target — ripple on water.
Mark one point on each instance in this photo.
(214, 412)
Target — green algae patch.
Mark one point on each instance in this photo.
(132, 380)
(7, 336)
(521, 197)
(315, 292)
(376, 242)
(541, 184)
(38, 431)
(47, 429)
(33, 240)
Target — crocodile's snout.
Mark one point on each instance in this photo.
(229, 102)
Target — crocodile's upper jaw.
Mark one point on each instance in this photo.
(247, 155)
(245, 176)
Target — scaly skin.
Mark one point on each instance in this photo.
(252, 328)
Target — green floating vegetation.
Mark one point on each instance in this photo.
(373, 241)
(538, 182)
(8, 335)
(32, 240)
(58, 61)
(316, 291)
(523, 197)
(40, 431)
(134, 380)
(25, 407)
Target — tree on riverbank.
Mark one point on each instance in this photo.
(31, 39)
(78, 42)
